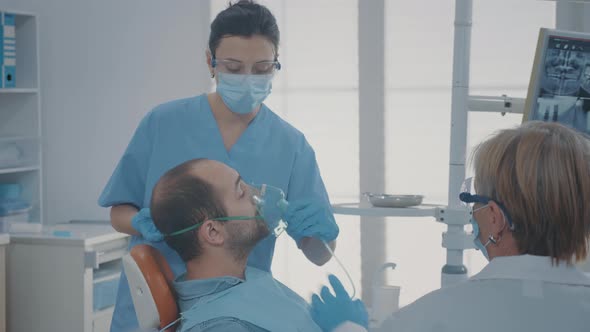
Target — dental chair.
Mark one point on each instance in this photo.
(150, 282)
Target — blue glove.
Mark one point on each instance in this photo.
(329, 311)
(143, 223)
(309, 218)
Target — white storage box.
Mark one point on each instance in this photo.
(11, 220)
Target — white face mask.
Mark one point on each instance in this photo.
(243, 93)
(480, 246)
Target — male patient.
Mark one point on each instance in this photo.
(219, 292)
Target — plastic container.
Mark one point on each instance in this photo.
(13, 212)
(105, 284)
(10, 191)
(9, 207)
(19, 151)
(10, 154)
(105, 293)
(385, 297)
(10, 223)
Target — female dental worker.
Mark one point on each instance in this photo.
(232, 126)
(531, 220)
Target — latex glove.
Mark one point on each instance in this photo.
(309, 218)
(330, 311)
(143, 223)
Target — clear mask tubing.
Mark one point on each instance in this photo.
(343, 269)
(271, 205)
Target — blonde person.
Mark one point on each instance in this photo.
(531, 219)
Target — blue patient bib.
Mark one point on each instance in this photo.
(260, 300)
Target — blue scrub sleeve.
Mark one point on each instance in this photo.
(128, 182)
(306, 181)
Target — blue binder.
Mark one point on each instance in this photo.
(8, 59)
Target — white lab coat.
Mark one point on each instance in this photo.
(515, 293)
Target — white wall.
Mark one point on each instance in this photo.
(573, 16)
(104, 64)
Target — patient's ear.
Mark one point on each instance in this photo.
(211, 232)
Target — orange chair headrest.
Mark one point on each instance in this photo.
(159, 277)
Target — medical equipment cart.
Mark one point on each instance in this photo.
(64, 278)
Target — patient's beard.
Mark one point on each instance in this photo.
(244, 237)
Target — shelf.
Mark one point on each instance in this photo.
(14, 139)
(20, 13)
(358, 209)
(19, 169)
(18, 91)
(107, 272)
(112, 276)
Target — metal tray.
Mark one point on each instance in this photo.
(393, 201)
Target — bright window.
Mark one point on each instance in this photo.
(419, 59)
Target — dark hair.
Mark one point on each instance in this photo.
(244, 18)
(179, 200)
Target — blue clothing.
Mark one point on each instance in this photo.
(269, 151)
(193, 292)
(329, 311)
(260, 300)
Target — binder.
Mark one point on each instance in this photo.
(1, 49)
(8, 60)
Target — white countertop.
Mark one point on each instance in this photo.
(74, 234)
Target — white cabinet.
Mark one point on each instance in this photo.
(64, 278)
(20, 118)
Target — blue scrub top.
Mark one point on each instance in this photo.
(269, 151)
(194, 292)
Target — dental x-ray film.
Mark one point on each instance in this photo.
(559, 89)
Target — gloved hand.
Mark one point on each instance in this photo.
(329, 311)
(308, 218)
(143, 223)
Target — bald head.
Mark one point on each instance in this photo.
(172, 179)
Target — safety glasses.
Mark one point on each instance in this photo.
(469, 198)
(238, 67)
